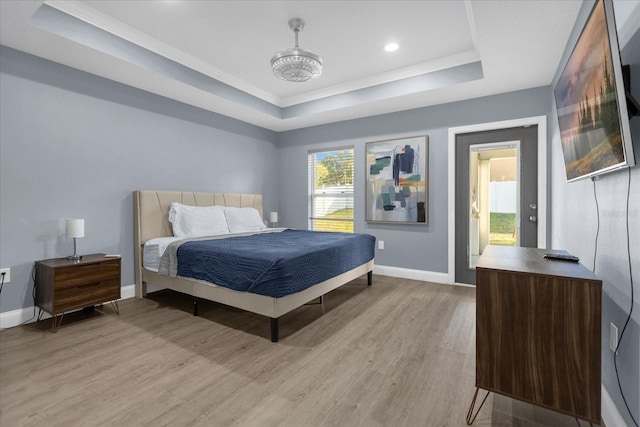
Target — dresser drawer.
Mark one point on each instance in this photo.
(73, 276)
(85, 295)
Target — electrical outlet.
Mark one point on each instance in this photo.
(613, 337)
(381, 244)
(7, 274)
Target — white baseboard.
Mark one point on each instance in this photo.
(408, 273)
(127, 292)
(610, 414)
(9, 319)
(12, 318)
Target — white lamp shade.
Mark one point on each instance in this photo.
(75, 228)
(273, 217)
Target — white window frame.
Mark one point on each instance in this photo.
(345, 192)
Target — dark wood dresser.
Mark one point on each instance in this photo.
(64, 285)
(538, 325)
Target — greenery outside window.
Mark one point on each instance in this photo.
(331, 190)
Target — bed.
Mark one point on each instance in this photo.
(151, 221)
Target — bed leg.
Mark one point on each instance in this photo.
(274, 329)
(320, 301)
(141, 290)
(369, 278)
(195, 307)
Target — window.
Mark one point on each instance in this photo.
(331, 190)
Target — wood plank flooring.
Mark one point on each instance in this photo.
(398, 353)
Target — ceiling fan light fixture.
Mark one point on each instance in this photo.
(296, 64)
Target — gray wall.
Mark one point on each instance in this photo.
(76, 145)
(420, 247)
(574, 226)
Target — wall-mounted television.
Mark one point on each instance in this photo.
(591, 102)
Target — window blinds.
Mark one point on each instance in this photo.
(330, 182)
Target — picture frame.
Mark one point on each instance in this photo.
(397, 180)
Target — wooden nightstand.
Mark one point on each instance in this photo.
(64, 285)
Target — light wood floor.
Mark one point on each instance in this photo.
(399, 353)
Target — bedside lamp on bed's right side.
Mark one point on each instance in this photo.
(273, 219)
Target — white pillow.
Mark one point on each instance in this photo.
(241, 220)
(197, 221)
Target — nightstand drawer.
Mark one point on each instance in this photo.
(72, 276)
(82, 296)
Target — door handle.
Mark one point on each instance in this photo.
(532, 218)
(533, 206)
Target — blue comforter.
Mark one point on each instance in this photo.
(274, 264)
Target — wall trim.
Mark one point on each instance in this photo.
(127, 292)
(409, 273)
(541, 121)
(609, 413)
(12, 318)
(9, 319)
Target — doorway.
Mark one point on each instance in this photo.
(494, 193)
(498, 207)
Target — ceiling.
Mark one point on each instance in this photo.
(215, 54)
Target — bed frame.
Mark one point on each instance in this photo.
(151, 220)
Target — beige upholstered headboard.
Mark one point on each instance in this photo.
(151, 212)
(152, 208)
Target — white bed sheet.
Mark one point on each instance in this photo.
(153, 251)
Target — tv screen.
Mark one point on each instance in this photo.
(591, 104)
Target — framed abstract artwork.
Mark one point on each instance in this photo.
(397, 180)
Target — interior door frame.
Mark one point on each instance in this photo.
(541, 122)
(485, 146)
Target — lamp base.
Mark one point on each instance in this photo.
(75, 256)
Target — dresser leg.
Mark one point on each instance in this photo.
(470, 417)
(114, 305)
(56, 321)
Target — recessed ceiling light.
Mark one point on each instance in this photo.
(391, 47)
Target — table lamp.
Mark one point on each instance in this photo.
(273, 219)
(75, 229)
